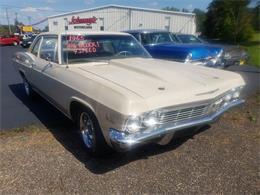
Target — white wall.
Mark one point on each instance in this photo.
(119, 19)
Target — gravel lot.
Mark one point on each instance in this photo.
(221, 159)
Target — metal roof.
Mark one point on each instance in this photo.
(84, 33)
(145, 30)
(123, 7)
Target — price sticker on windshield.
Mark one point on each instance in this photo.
(79, 45)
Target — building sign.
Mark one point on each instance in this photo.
(78, 20)
(27, 29)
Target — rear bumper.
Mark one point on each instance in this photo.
(123, 142)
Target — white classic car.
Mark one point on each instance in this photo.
(117, 94)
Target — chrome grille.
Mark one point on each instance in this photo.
(175, 116)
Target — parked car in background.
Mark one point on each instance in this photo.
(9, 40)
(161, 44)
(233, 55)
(117, 94)
(28, 41)
(27, 35)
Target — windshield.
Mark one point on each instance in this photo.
(89, 48)
(189, 39)
(155, 38)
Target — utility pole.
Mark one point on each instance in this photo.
(29, 19)
(15, 20)
(7, 17)
(17, 30)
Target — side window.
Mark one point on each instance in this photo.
(36, 47)
(136, 35)
(49, 49)
(174, 38)
(146, 39)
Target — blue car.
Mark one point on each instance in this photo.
(163, 45)
(234, 54)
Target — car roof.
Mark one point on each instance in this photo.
(145, 30)
(183, 34)
(84, 33)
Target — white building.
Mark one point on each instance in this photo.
(119, 18)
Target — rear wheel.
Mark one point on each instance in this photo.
(91, 134)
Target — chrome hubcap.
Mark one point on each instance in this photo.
(87, 129)
(26, 87)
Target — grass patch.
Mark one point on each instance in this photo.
(20, 130)
(253, 49)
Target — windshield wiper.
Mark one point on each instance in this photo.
(88, 60)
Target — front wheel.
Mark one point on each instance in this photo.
(91, 134)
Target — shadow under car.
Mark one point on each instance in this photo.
(64, 132)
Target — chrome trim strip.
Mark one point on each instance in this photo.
(122, 141)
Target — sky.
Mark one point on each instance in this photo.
(36, 10)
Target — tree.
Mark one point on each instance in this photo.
(200, 19)
(185, 10)
(229, 20)
(171, 9)
(256, 16)
(4, 29)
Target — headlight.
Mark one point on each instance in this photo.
(142, 122)
(229, 97)
(220, 54)
(216, 61)
(227, 55)
(236, 92)
(188, 58)
(151, 119)
(133, 124)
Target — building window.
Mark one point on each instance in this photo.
(102, 28)
(55, 23)
(66, 27)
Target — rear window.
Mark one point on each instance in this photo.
(189, 39)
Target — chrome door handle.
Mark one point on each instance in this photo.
(33, 64)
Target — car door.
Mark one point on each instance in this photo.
(45, 65)
(10, 40)
(6, 40)
(31, 58)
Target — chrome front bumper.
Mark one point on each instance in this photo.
(123, 142)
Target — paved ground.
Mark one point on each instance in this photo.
(224, 159)
(16, 110)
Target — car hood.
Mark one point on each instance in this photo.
(161, 81)
(199, 51)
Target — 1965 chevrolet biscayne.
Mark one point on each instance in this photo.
(117, 94)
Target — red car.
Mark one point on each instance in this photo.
(9, 40)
